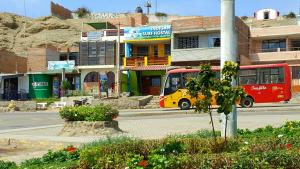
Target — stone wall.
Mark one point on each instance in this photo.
(20, 105)
(84, 128)
(124, 102)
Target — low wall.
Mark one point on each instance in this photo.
(124, 102)
(85, 128)
(20, 105)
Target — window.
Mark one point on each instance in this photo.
(173, 83)
(214, 42)
(266, 15)
(188, 42)
(271, 75)
(92, 49)
(155, 82)
(167, 49)
(296, 72)
(273, 45)
(248, 77)
(155, 52)
(142, 51)
(187, 76)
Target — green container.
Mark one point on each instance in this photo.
(40, 86)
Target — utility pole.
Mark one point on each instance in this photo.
(118, 87)
(228, 53)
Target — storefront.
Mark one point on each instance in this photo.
(13, 87)
(147, 57)
(98, 81)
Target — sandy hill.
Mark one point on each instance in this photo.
(17, 33)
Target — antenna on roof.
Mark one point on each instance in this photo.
(148, 5)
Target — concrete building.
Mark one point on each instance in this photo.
(13, 81)
(277, 45)
(147, 57)
(197, 40)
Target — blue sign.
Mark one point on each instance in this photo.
(58, 65)
(147, 32)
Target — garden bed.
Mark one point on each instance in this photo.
(84, 128)
(89, 121)
(264, 148)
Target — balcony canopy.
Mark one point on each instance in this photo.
(101, 25)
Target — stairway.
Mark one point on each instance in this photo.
(153, 104)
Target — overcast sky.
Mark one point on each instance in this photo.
(37, 8)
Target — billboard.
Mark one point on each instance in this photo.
(147, 32)
(58, 65)
(91, 36)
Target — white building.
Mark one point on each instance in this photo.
(266, 14)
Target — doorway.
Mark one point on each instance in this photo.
(10, 89)
(151, 85)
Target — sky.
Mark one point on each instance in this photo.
(37, 8)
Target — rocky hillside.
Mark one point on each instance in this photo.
(17, 33)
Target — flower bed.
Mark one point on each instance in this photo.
(89, 121)
(262, 148)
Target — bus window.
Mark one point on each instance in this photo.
(187, 76)
(272, 75)
(277, 75)
(265, 77)
(172, 84)
(247, 77)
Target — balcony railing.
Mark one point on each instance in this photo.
(276, 50)
(147, 61)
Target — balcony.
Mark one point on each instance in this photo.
(276, 55)
(195, 54)
(147, 61)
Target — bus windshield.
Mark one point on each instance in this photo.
(172, 84)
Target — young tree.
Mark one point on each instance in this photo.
(228, 95)
(206, 87)
(201, 88)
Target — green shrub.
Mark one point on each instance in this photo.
(7, 165)
(61, 156)
(88, 113)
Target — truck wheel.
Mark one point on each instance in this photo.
(247, 102)
(184, 104)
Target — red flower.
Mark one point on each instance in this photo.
(71, 149)
(143, 163)
(289, 146)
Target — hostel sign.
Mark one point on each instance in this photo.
(58, 65)
(147, 32)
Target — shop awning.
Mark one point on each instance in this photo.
(145, 68)
(101, 25)
(10, 76)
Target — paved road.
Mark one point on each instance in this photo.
(138, 117)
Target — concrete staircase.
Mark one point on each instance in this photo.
(153, 104)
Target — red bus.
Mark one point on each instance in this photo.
(262, 83)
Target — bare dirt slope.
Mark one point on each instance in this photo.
(17, 33)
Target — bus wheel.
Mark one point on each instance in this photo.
(247, 102)
(184, 104)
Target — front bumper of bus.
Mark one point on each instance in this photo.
(161, 101)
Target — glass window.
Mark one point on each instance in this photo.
(142, 51)
(167, 49)
(188, 42)
(271, 75)
(273, 45)
(187, 76)
(296, 72)
(214, 42)
(155, 82)
(173, 83)
(92, 49)
(248, 77)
